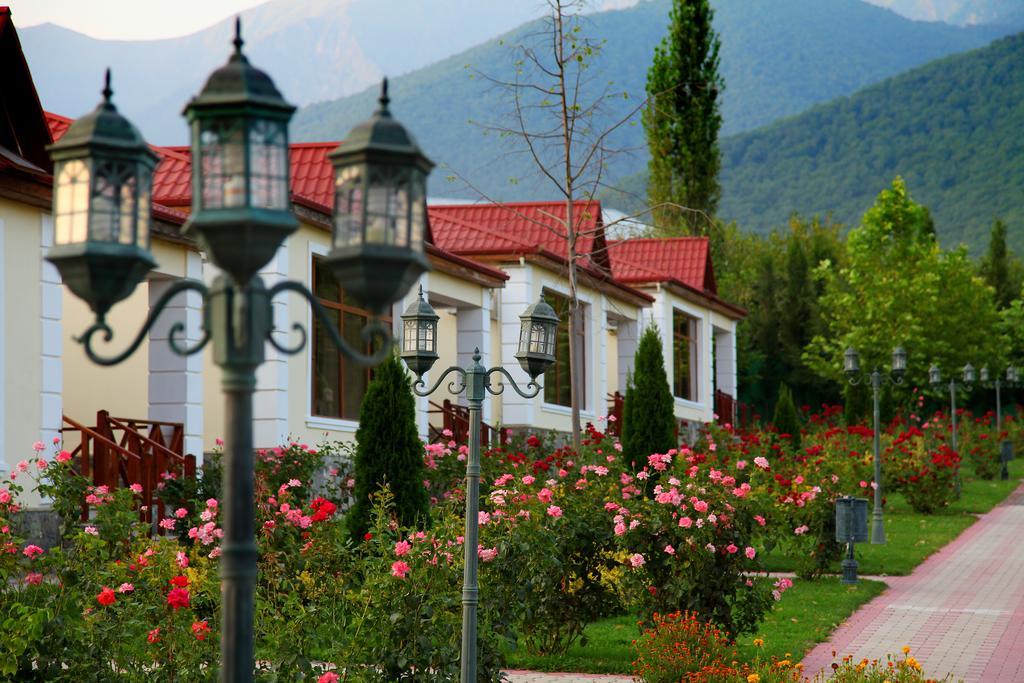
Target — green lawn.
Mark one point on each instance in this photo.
(806, 615)
(912, 537)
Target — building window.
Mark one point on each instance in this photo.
(684, 356)
(557, 381)
(338, 384)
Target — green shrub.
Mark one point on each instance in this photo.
(786, 420)
(648, 420)
(389, 450)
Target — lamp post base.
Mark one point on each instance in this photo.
(877, 528)
(849, 566)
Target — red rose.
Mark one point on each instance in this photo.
(367, 536)
(178, 598)
(200, 629)
(180, 582)
(106, 597)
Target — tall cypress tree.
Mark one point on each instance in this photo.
(649, 423)
(1000, 268)
(786, 420)
(682, 121)
(389, 450)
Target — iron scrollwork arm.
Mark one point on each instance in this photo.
(177, 329)
(532, 388)
(375, 332)
(417, 387)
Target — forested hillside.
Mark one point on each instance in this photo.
(778, 58)
(951, 129)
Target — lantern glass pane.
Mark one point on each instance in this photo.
(71, 203)
(552, 330)
(409, 336)
(268, 165)
(222, 164)
(388, 206)
(143, 217)
(348, 207)
(112, 202)
(426, 335)
(417, 211)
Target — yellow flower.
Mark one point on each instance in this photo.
(906, 650)
(758, 642)
(753, 678)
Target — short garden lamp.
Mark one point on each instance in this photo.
(537, 338)
(419, 350)
(419, 336)
(103, 176)
(851, 362)
(380, 210)
(899, 362)
(851, 366)
(241, 209)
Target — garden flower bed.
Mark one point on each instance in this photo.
(566, 539)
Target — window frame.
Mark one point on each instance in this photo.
(685, 334)
(560, 302)
(343, 309)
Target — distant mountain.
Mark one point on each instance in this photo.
(778, 58)
(960, 12)
(314, 50)
(952, 129)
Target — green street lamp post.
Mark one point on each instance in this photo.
(935, 379)
(998, 383)
(419, 350)
(851, 366)
(241, 213)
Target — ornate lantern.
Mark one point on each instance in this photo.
(851, 361)
(1011, 374)
(934, 376)
(240, 192)
(969, 374)
(103, 176)
(419, 336)
(899, 361)
(984, 374)
(537, 338)
(380, 210)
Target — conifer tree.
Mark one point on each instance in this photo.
(1000, 268)
(682, 121)
(786, 420)
(648, 422)
(389, 450)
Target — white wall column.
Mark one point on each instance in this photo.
(474, 332)
(51, 416)
(176, 382)
(517, 295)
(270, 404)
(598, 357)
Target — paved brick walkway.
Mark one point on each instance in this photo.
(961, 611)
(538, 677)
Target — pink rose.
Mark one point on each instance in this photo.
(750, 553)
(554, 511)
(399, 569)
(544, 495)
(402, 548)
(636, 560)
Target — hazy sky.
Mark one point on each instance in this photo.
(127, 19)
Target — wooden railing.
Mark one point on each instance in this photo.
(119, 452)
(615, 410)
(725, 408)
(455, 418)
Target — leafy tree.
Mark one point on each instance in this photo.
(899, 288)
(1001, 270)
(648, 423)
(389, 450)
(786, 419)
(682, 121)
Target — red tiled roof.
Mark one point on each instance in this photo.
(518, 227)
(686, 259)
(58, 125)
